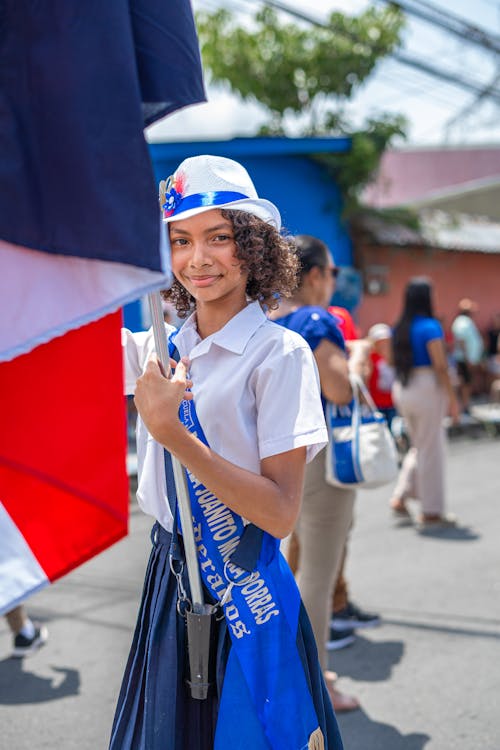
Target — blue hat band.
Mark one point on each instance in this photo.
(175, 204)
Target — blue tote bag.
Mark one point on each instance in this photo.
(361, 450)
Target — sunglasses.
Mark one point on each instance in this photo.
(334, 271)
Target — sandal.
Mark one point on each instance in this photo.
(436, 523)
(399, 510)
(399, 507)
(330, 676)
(340, 701)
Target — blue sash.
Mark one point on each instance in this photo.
(266, 702)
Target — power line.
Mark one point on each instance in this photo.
(469, 108)
(483, 93)
(412, 87)
(449, 22)
(404, 59)
(446, 76)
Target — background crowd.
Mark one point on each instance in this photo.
(417, 373)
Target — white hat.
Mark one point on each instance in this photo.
(202, 183)
(380, 331)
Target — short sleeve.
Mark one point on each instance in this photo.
(137, 349)
(432, 330)
(319, 325)
(289, 409)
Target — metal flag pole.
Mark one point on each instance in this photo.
(200, 617)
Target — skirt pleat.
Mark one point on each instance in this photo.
(155, 710)
(308, 651)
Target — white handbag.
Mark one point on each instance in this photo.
(361, 450)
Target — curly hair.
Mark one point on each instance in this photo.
(269, 258)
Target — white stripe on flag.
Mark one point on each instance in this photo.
(20, 572)
(45, 295)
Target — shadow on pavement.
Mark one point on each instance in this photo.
(368, 661)
(18, 686)
(451, 534)
(454, 534)
(447, 629)
(359, 732)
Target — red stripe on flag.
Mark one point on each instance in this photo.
(63, 473)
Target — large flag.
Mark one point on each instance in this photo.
(79, 237)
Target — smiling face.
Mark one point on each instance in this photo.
(204, 259)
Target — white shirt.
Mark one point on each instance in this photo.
(256, 391)
(464, 330)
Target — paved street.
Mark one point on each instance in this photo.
(429, 677)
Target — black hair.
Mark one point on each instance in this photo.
(311, 252)
(417, 301)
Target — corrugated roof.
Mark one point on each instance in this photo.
(461, 232)
(438, 229)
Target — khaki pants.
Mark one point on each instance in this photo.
(423, 403)
(322, 529)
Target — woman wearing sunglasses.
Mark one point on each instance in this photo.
(326, 514)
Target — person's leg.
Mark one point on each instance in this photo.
(28, 636)
(464, 388)
(340, 593)
(16, 619)
(405, 484)
(429, 440)
(291, 550)
(321, 531)
(346, 616)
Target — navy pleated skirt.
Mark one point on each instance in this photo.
(155, 710)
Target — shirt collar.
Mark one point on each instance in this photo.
(234, 336)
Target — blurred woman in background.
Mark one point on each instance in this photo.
(422, 393)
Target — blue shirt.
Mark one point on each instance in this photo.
(422, 331)
(314, 324)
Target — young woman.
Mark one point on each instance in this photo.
(254, 419)
(326, 515)
(422, 394)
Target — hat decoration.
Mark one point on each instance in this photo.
(171, 191)
(173, 196)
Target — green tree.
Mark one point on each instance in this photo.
(303, 75)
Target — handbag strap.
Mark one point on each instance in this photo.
(358, 386)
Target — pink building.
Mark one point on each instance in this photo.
(456, 192)
(439, 177)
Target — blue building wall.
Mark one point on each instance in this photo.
(133, 317)
(309, 201)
